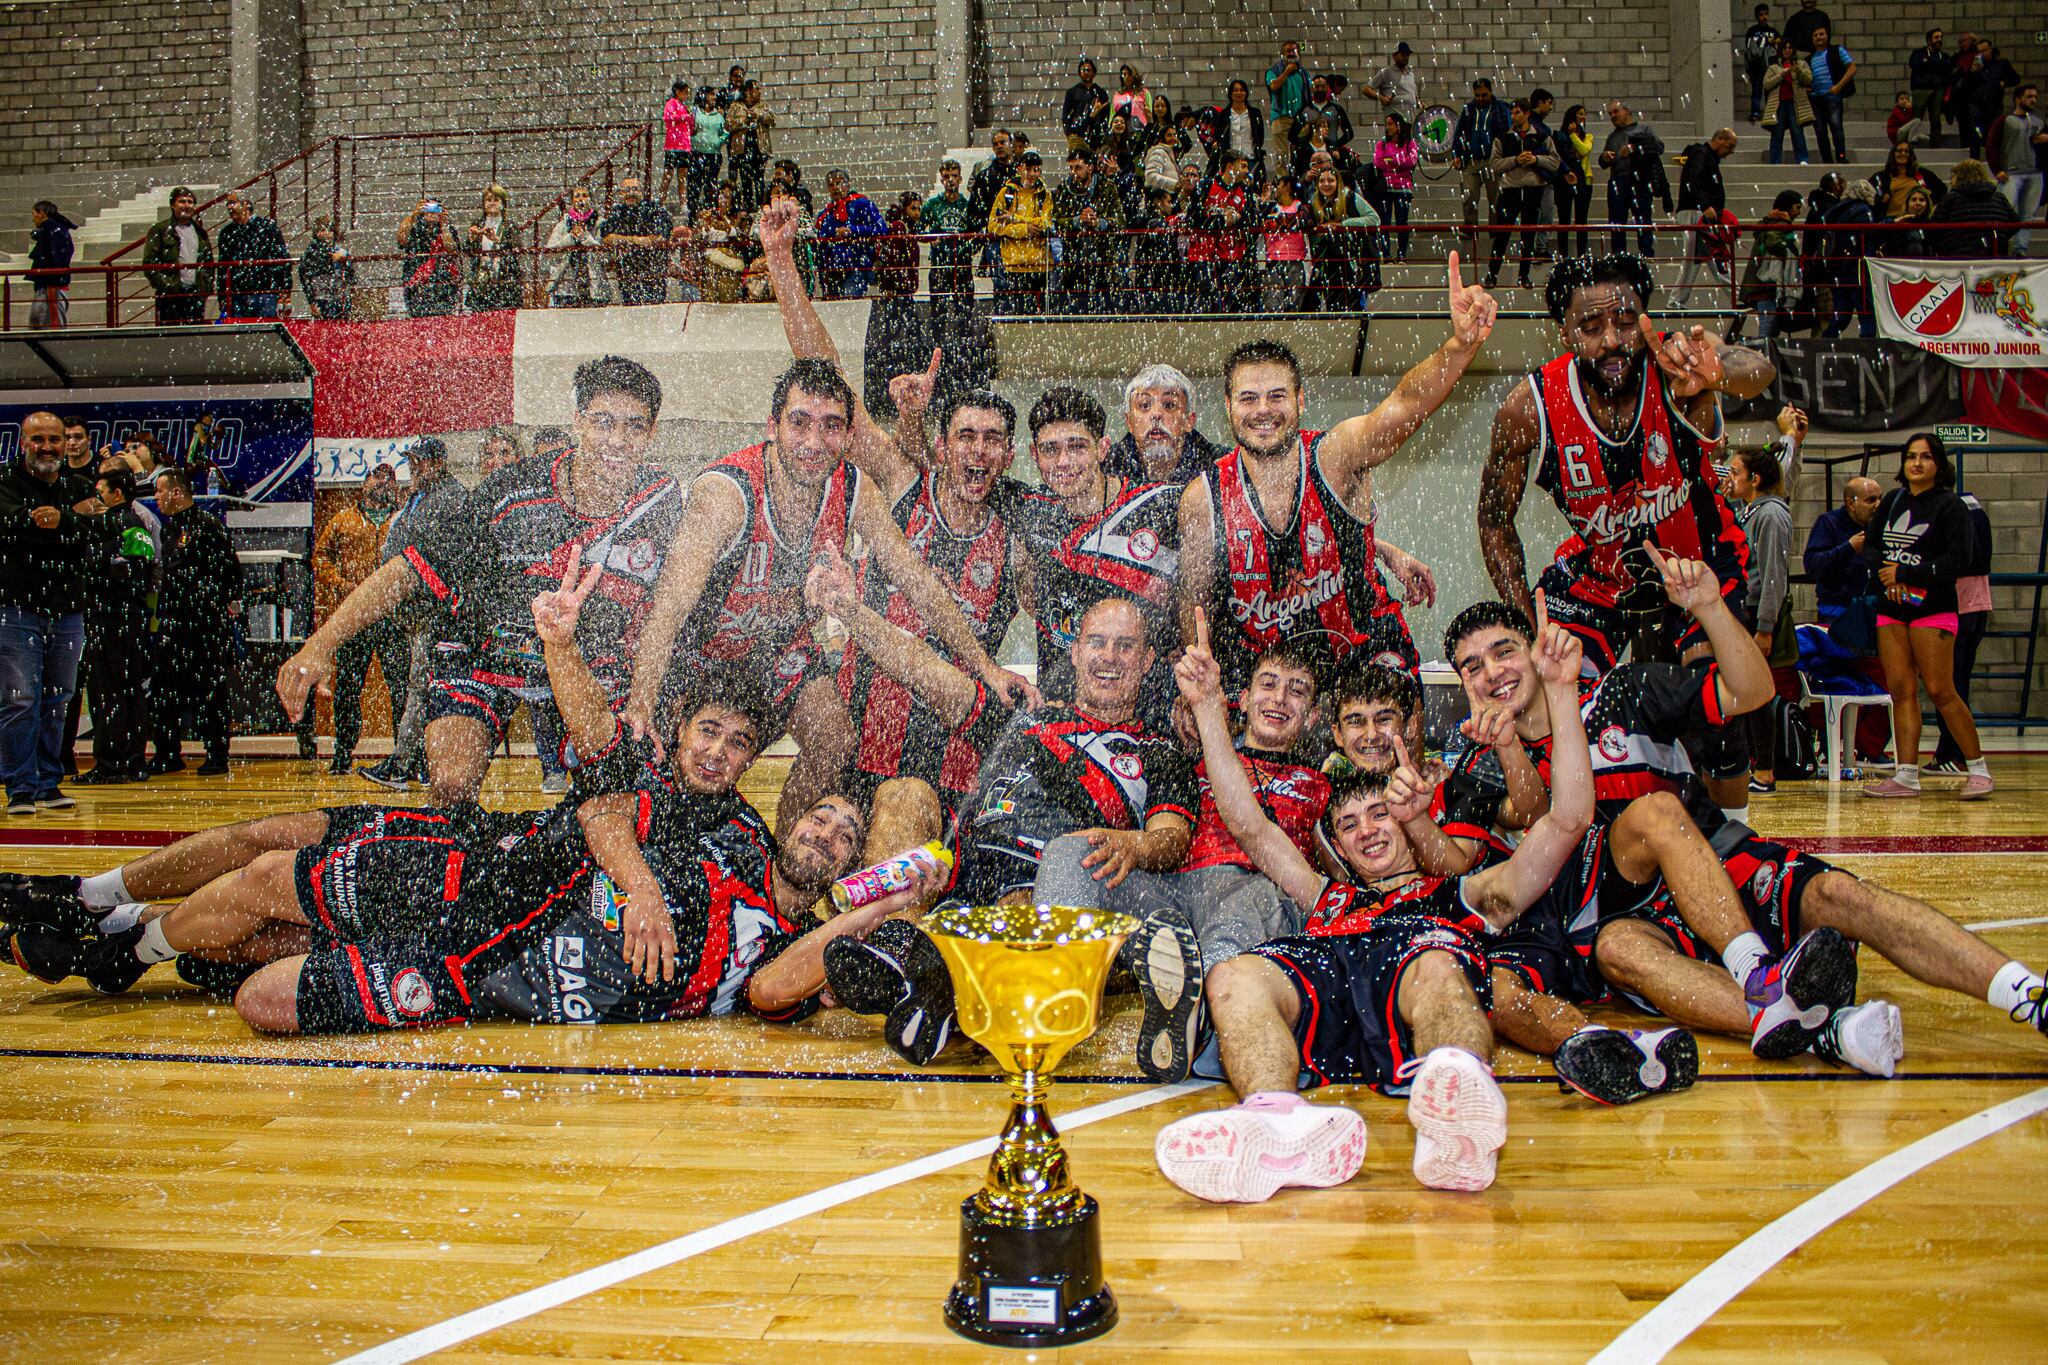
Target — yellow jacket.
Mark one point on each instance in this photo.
(1023, 219)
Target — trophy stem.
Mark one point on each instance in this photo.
(1029, 1183)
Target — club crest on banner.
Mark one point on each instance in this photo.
(1981, 315)
(1931, 308)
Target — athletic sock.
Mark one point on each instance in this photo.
(1979, 766)
(1739, 814)
(1908, 775)
(122, 918)
(104, 889)
(152, 946)
(1742, 955)
(2011, 988)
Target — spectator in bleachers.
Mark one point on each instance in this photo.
(1132, 100)
(707, 147)
(1286, 93)
(1162, 162)
(1541, 105)
(1908, 243)
(1084, 114)
(49, 254)
(1801, 28)
(1520, 159)
(432, 268)
(1702, 190)
(251, 290)
(1902, 174)
(575, 265)
(1393, 158)
(991, 175)
(1284, 222)
(1973, 615)
(326, 272)
(2016, 150)
(1983, 88)
(638, 232)
(51, 536)
(1834, 551)
(1575, 179)
(1312, 138)
(1972, 198)
(1929, 71)
(1756, 483)
(1834, 76)
(348, 550)
(951, 213)
(179, 252)
(117, 636)
(1244, 128)
(1481, 123)
(678, 124)
(1772, 274)
(1021, 221)
(1634, 159)
(1394, 87)
(1114, 166)
(1160, 443)
(791, 177)
(896, 254)
(846, 228)
(1900, 125)
(1961, 82)
(1341, 249)
(79, 456)
(1759, 46)
(198, 594)
(1847, 245)
(749, 141)
(1787, 106)
(735, 88)
(724, 236)
(1223, 214)
(495, 276)
(1323, 102)
(1089, 213)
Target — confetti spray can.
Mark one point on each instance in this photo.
(870, 884)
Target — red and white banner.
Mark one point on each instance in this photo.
(1984, 314)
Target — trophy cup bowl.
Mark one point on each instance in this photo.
(1027, 985)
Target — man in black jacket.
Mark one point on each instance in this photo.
(201, 590)
(50, 533)
(50, 251)
(117, 625)
(252, 291)
(1085, 114)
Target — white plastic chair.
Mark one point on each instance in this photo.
(1835, 708)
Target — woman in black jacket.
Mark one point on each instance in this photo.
(1923, 546)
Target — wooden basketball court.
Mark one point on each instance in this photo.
(178, 1189)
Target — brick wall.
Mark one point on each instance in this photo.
(112, 83)
(1190, 49)
(1884, 35)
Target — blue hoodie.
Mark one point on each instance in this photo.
(52, 251)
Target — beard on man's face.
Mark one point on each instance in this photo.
(1601, 375)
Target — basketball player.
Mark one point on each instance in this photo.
(1625, 449)
(527, 527)
(1278, 539)
(1387, 987)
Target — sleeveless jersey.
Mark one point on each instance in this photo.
(900, 736)
(753, 602)
(1654, 483)
(1422, 905)
(1315, 579)
(1292, 795)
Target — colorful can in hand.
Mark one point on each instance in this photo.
(870, 884)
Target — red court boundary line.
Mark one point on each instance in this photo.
(101, 838)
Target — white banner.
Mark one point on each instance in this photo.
(1987, 314)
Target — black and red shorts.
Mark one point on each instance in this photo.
(1536, 948)
(391, 983)
(1350, 1030)
(1771, 880)
(381, 870)
(488, 685)
(1605, 630)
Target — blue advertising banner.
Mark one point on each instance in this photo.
(260, 439)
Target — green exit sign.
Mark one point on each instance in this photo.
(1957, 435)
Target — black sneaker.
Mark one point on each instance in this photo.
(867, 975)
(44, 954)
(218, 979)
(101, 777)
(1167, 961)
(66, 915)
(341, 767)
(161, 765)
(17, 887)
(109, 964)
(1791, 999)
(214, 767)
(1621, 1066)
(921, 1024)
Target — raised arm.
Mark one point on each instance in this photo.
(1196, 579)
(1358, 443)
(896, 651)
(1409, 791)
(586, 712)
(1742, 677)
(313, 665)
(1699, 366)
(1264, 842)
(609, 831)
(1514, 438)
(715, 514)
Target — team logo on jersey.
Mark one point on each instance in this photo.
(1144, 545)
(1448, 938)
(1614, 744)
(792, 664)
(1312, 539)
(1929, 308)
(981, 574)
(1128, 766)
(411, 993)
(1657, 450)
(1390, 658)
(1763, 883)
(640, 556)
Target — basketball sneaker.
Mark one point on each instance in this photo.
(1167, 961)
(1249, 1152)
(1621, 1066)
(1870, 1037)
(1976, 787)
(1790, 998)
(2033, 1009)
(109, 964)
(61, 911)
(1460, 1119)
(218, 979)
(867, 975)
(921, 1023)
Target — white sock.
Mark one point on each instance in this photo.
(2010, 988)
(1742, 955)
(1739, 814)
(153, 947)
(1908, 775)
(104, 889)
(1979, 767)
(122, 918)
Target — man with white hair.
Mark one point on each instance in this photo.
(1160, 443)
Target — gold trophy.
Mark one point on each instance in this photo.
(1027, 985)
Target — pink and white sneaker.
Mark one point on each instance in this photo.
(1891, 788)
(1976, 786)
(1244, 1154)
(1460, 1119)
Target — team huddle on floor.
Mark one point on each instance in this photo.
(1224, 738)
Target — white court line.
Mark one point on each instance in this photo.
(2006, 923)
(492, 1316)
(1707, 1293)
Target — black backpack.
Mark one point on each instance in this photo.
(1796, 752)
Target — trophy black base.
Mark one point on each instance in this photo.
(1030, 1287)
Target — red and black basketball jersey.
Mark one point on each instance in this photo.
(521, 537)
(1059, 770)
(1129, 549)
(1655, 482)
(1292, 795)
(1314, 579)
(900, 736)
(1423, 902)
(753, 601)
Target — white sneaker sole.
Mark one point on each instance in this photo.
(1232, 1156)
(1874, 1039)
(1461, 1123)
